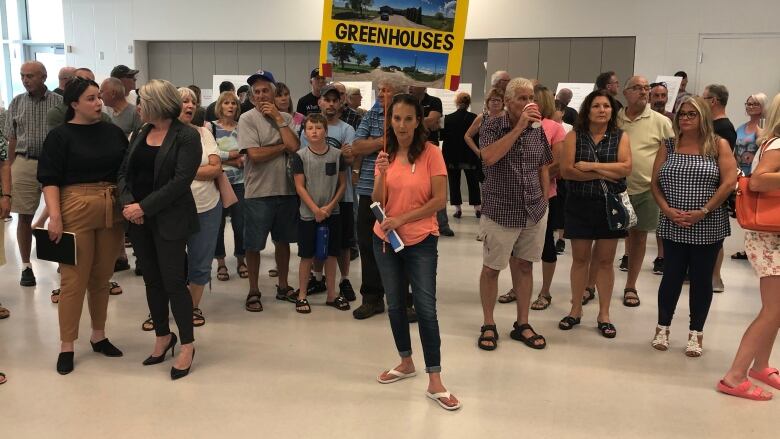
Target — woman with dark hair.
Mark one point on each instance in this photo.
(596, 159)
(283, 102)
(154, 184)
(411, 184)
(78, 171)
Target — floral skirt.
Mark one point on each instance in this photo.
(763, 251)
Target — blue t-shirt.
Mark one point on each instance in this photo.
(745, 149)
(228, 141)
(339, 134)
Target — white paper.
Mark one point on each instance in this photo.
(579, 90)
(206, 97)
(673, 86)
(448, 97)
(237, 80)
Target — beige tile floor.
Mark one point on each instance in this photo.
(279, 374)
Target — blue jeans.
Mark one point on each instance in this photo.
(200, 246)
(236, 213)
(417, 263)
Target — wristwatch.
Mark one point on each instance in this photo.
(705, 210)
(282, 125)
(356, 171)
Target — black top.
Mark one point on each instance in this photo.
(431, 103)
(142, 170)
(247, 105)
(456, 152)
(211, 115)
(569, 115)
(724, 128)
(308, 105)
(606, 151)
(199, 118)
(74, 154)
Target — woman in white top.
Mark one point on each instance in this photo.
(201, 245)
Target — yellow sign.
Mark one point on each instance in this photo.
(414, 42)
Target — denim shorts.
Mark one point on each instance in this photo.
(276, 215)
(201, 245)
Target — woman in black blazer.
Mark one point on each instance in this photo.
(154, 184)
(458, 155)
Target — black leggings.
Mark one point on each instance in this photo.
(164, 268)
(697, 261)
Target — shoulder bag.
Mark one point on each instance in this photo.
(758, 211)
(620, 212)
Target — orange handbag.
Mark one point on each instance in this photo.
(757, 211)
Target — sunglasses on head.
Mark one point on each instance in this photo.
(656, 84)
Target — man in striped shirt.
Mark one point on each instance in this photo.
(25, 128)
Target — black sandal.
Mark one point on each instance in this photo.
(568, 323)
(488, 338)
(631, 302)
(591, 295)
(302, 306)
(243, 272)
(340, 303)
(286, 294)
(253, 298)
(148, 324)
(222, 273)
(607, 329)
(739, 255)
(55, 295)
(541, 303)
(517, 334)
(197, 317)
(114, 289)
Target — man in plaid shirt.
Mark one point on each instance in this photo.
(515, 159)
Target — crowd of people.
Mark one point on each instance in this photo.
(151, 169)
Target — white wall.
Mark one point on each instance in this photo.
(667, 31)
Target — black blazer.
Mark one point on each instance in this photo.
(455, 150)
(170, 207)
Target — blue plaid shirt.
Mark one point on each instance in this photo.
(372, 125)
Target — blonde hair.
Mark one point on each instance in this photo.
(160, 100)
(772, 124)
(187, 93)
(761, 99)
(709, 144)
(515, 85)
(225, 96)
(545, 100)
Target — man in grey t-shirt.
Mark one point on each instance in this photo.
(122, 114)
(271, 205)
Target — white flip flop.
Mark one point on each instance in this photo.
(397, 376)
(445, 395)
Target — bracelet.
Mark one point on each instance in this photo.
(705, 210)
(283, 125)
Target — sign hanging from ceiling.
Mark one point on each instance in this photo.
(415, 42)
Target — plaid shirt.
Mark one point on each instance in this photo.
(351, 117)
(372, 125)
(26, 122)
(607, 150)
(512, 192)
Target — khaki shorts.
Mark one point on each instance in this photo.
(26, 191)
(646, 211)
(499, 243)
(2, 244)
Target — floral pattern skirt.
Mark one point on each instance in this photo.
(763, 251)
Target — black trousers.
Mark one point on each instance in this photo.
(697, 261)
(163, 264)
(472, 182)
(371, 288)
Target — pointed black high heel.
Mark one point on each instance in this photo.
(181, 373)
(157, 360)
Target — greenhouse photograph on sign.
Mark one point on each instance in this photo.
(436, 15)
(358, 62)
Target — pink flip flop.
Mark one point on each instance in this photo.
(764, 376)
(743, 391)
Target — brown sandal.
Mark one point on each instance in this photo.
(114, 289)
(55, 295)
(509, 297)
(222, 273)
(4, 313)
(253, 303)
(243, 272)
(541, 303)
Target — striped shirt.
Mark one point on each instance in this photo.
(372, 125)
(26, 122)
(607, 150)
(512, 193)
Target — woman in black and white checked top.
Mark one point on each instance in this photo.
(595, 152)
(692, 178)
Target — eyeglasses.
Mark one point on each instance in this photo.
(496, 100)
(707, 98)
(688, 114)
(656, 84)
(639, 88)
(752, 104)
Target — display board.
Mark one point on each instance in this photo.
(579, 90)
(673, 87)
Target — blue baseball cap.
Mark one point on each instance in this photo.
(261, 74)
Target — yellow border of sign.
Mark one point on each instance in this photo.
(455, 58)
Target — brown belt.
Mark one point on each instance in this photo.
(107, 190)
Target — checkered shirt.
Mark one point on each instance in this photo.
(607, 150)
(372, 125)
(26, 122)
(512, 193)
(351, 117)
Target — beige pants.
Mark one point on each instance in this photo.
(91, 212)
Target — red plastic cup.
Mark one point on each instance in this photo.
(536, 124)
